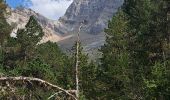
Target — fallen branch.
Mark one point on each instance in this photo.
(31, 79)
(54, 95)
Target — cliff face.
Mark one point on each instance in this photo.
(95, 12)
(20, 16)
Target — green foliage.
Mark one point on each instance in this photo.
(22, 49)
(88, 79)
(115, 67)
(135, 62)
(52, 54)
(59, 62)
(135, 55)
(29, 37)
(4, 26)
(158, 85)
(24, 56)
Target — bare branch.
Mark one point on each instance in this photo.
(54, 94)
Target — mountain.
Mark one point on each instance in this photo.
(95, 13)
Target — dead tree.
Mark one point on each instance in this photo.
(77, 61)
(77, 58)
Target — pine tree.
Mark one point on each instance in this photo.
(23, 48)
(143, 49)
(88, 80)
(5, 28)
(59, 62)
(148, 36)
(149, 42)
(115, 70)
(28, 38)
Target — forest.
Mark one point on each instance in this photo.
(135, 61)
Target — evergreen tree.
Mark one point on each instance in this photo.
(88, 80)
(115, 69)
(142, 49)
(148, 44)
(22, 48)
(59, 62)
(29, 37)
(5, 28)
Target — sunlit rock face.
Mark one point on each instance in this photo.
(20, 16)
(95, 12)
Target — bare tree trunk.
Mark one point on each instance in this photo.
(77, 63)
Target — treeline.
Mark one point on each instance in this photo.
(135, 62)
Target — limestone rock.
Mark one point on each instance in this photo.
(95, 12)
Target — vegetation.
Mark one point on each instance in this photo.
(4, 26)
(135, 62)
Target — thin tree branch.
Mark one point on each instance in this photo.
(54, 94)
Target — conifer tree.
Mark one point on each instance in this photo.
(23, 47)
(4, 26)
(60, 63)
(5, 29)
(28, 38)
(115, 70)
(149, 46)
(143, 50)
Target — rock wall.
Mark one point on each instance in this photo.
(95, 12)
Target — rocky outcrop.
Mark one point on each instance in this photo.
(95, 12)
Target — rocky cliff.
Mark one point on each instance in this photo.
(95, 12)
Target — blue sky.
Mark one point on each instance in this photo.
(16, 3)
(52, 9)
(13, 3)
